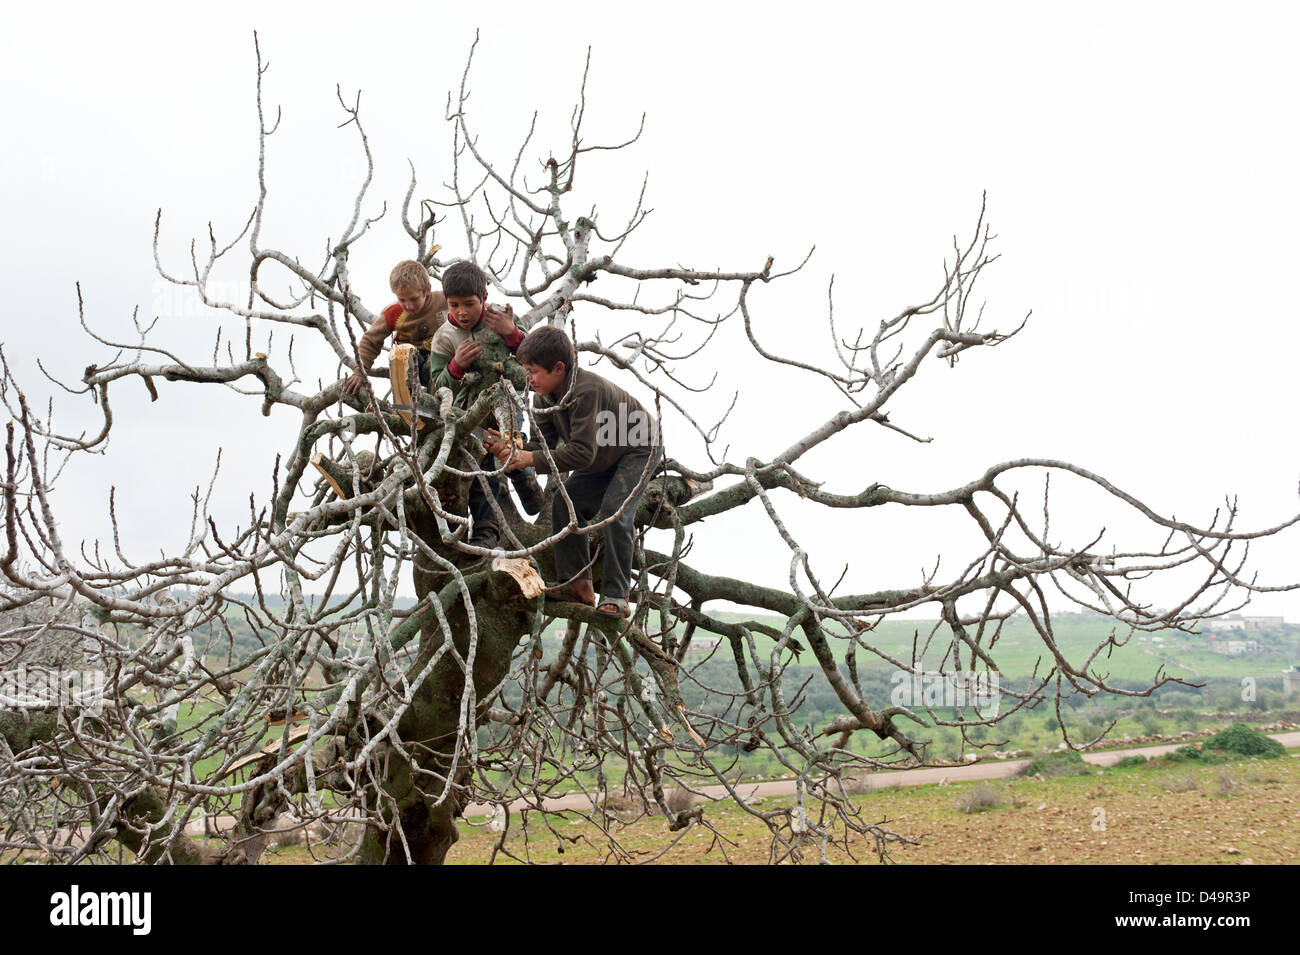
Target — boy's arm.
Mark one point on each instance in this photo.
(440, 374)
(368, 349)
(443, 373)
(515, 338)
(580, 450)
(550, 438)
(372, 342)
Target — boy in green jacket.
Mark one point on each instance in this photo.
(458, 343)
(455, 348)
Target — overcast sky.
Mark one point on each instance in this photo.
(1140, 165)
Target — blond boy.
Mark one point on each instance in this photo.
(412, 320)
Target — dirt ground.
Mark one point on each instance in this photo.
(1247, 812)
(1244, 812)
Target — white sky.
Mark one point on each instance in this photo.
(1140, 165)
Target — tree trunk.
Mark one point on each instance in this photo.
(420, 829)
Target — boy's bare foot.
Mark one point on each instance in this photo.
(578, 592)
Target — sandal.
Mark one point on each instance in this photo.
(621, 610)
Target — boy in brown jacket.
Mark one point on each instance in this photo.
(413, 319)
(601, 434)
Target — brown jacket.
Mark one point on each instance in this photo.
(595, 423)
(417, 329)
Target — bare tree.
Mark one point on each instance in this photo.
(348, 707)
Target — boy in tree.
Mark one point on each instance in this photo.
(455, 349)
(604, 436)
(471, 324)
(413, 319)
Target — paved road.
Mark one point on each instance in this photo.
(993, 769)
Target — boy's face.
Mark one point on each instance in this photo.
(412, 300)
(542, 381)
(465, 309)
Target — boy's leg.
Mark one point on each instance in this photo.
(617, 574)
(486, 528)
(572, 553)
(525, 479)
(426, 380)
(529, 491)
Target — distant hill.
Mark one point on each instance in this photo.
(275, 602)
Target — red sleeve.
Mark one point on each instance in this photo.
(391, 315)
(455, 370)
(515, 338)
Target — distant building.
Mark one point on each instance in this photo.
(1243, 624)
(703, 643)
(1290, 681)
(1233, 647)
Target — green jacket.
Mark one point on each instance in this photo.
(450, 336)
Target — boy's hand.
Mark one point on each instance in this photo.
(502, 451)
(467, 353)
(499, 445)
(522, 459)
(500, 321)
(353, 383)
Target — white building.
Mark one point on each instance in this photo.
(1244, 624)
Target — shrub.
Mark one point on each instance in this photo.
(284, 838)
(1180, 782)
(980, 799)
(617, 803)
(859, 785)
(1088, 730)
(1182, 754)
(1129, 761)
(1243, 740)
(1149, 720)
(679, 800)
(1066, 762)
(1226, 785)
(1264, 778)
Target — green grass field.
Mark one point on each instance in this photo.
(1019, 648)
(1156, 813)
